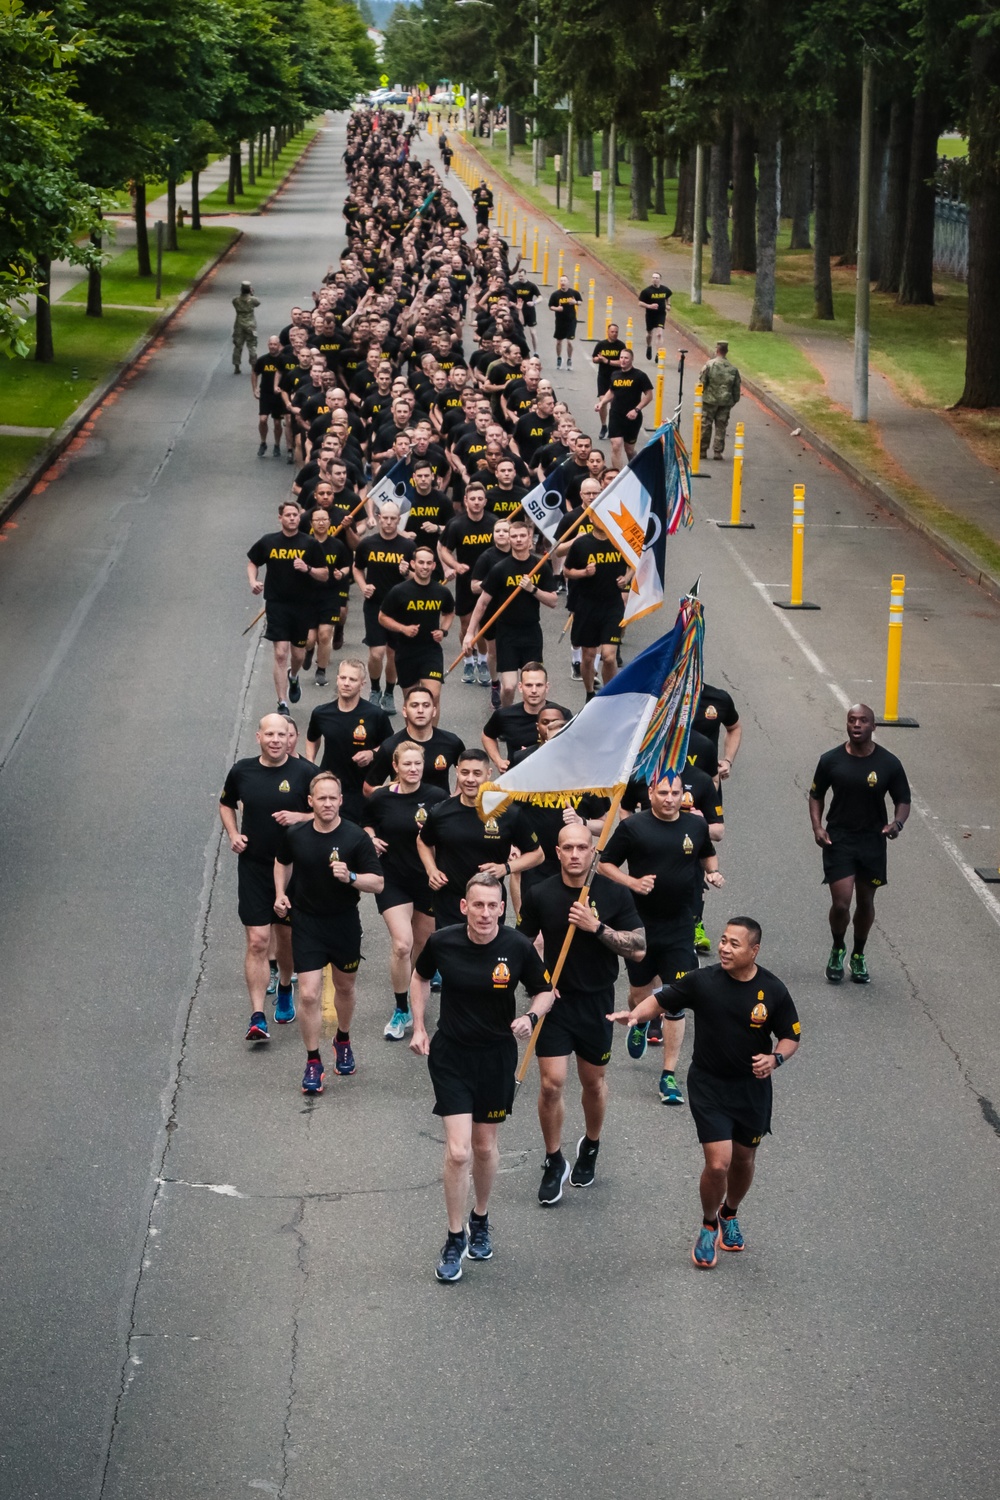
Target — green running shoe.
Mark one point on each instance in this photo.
(835, 965)
(702, 941)
(859, 969)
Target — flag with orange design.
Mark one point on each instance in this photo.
(625, 507)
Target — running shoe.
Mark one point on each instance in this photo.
(494, 695)
(283, 709)
(483, 674)
(569, 363)
(262, 451)
(468, 670)
(480, 1244)
(338, 637)
(558, 363)
(582, 1174)
(554, 1174)
(345, 1063)
(835, 964)
(276, 450)
(635, 1042)
(284, 1010)
(272, 983)
(670, 1089)
(859, 969)
(291, 458)
(312, 1078)
(702, 941)
(320, 678)
(453, 1252)
(731, 1235)
(654, 1035)
(436, 980)
(706, 1248)
(576, 672)
(308, 659)
(396, 1029)
(388, 704)
(602, 435)
(649, 352)
(375, 697)
(257, 1030)
(294, 689)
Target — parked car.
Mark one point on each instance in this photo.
(443, 96)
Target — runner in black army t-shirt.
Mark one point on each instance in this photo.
(528, 583)
(292, 564)
(441, 748)
(467, 536)
(473, 1054)
(666, 851)
(860, 774)
(600, 574)
(564, 302)
(655, 300)
(380, 561)
(418, 615)
(263, 379)
(607, 927)
(607, 353)
(351, 731)
(319, 870)
(273, 790)
(329, 603)
(746, 1027)
(629, 392)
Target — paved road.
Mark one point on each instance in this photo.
(214, 1288)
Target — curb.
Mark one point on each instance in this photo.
(967, 564)
(18, 491)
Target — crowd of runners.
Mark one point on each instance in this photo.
(411, 458)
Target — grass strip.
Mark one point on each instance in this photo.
(122, 283)
(250, 201)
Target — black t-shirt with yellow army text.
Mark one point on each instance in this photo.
(276, 553)
(379, 562)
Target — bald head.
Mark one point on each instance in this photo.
(272, 737)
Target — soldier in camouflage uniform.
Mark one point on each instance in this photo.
(720, 382)
(245, 326)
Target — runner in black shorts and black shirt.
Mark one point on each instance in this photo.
(607, 353)
(529, 584)
(655, 300)
(293, 562)
(380, 562)
(629, 392)
(273, 790)
(350, 731)
(606, 927)
(473, 1055)
(667, 852)
(746, 1027)
(600, 573)
(263, 378)
(418, 615)
(860, 774)
(319, 870)
(440, 746)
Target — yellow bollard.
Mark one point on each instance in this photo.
(607, 315)
(513, 226)
(576, 277)
(506, 221)
(736, 504)
(661, 365)
(545, 263)
(894, 657)
(559, 273)
(798, 550)
(696, 432)
(590, 309)
(534, 251)
(628, 333)
(524, 238)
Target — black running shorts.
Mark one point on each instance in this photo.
(425, 663)
(516, 648)
(476, 1081)
(396, 892)
(862, 855)
(375, 634)
(286, 622)
(669, 960)
(622, 427)
(597, 627)
(729, 1109)
(318, 941)
(255, 881)
(577, 1023)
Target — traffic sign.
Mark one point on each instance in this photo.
(422, 87)
(595, 181)
(460, 100)
(384, 80)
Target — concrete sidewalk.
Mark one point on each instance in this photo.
(922, 444)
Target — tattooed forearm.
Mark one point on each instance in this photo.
(625, 944)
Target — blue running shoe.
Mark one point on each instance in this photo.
(312, 1078)
(284, 1009)
(706, 1248)
(670, 1089)
(345, 1063)
(396, 1029)
(272, 983)
(436, 980)
(732, 1238)
(257, 1030)
(453, 1252)
(635, 1042)
(480, 1244)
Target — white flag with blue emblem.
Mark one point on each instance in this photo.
(545, 505)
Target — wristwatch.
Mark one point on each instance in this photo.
(351, 877)
(779, 1058)
(532, 1018)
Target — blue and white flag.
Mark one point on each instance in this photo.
(545, 505)
(394, 486)
(597, 750)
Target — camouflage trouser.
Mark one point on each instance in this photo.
(247, 336)
(711, 413)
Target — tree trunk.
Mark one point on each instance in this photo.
(801, 193)
(894, 214)
(822, 280)
(251, 153)
(196, 199)
(260, 154)
(239, 171)
(95, 308)
(762, 313)
(659, 205)
(605, 148)
(744, 253)
(685, 190)
(44, 351)
(786, 169)
(516, 126)
(142, 231)
(844, 156)
(170, 240)
(640, 182)
(585, 152)
(719, 206)
(916, 280)
(617, 157)
(231, 184)
(982, 350)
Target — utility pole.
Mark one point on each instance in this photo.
(534, 120)
(699, 223)
(862, 301)
(612, 164)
